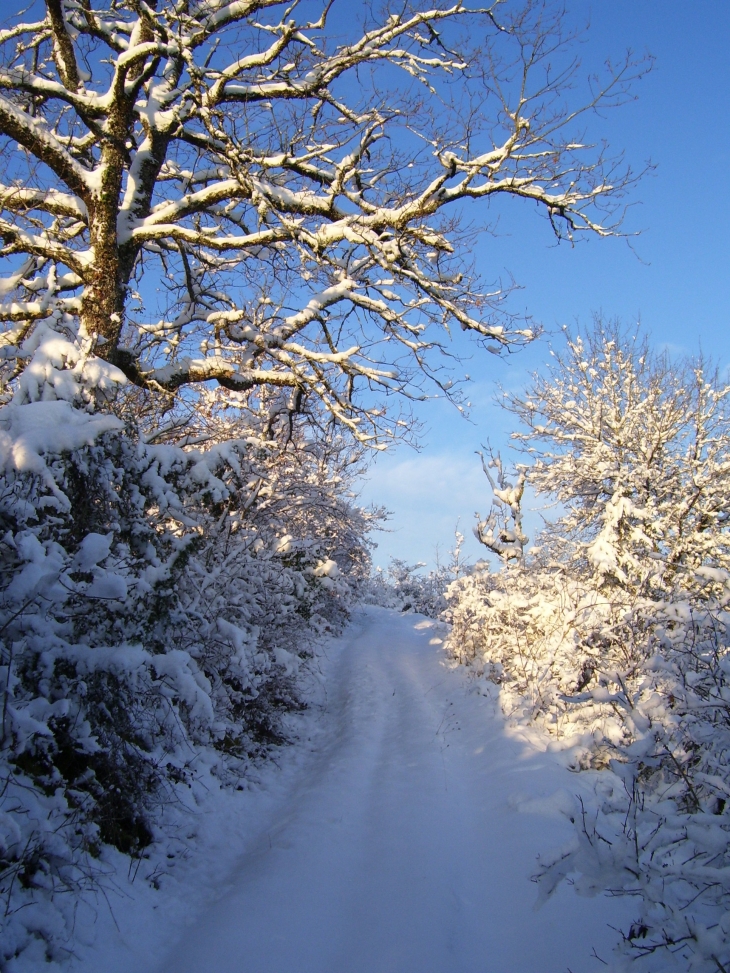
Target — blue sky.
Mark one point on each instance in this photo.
(676, 279)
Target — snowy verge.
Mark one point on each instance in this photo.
(141, 907)
(635, 695)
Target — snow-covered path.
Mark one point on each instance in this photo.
(406, 846)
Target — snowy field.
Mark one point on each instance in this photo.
(398, 835)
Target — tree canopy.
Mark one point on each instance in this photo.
(269, 199)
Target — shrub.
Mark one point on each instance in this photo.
(613, 634)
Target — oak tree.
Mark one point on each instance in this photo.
(268, 198)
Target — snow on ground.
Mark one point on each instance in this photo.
(399, 835)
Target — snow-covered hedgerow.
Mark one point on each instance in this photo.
(403, 587)
(157, 604)
(406, 588)
(613, 634)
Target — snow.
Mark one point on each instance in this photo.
(398, 834)
(29, 431)
(92, 549)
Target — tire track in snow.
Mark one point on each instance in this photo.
(400, 850)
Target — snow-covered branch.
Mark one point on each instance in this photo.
(248, 186)
(501, 532)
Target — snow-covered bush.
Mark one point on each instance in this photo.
(404, 587)
(613, 634)
(157, 603)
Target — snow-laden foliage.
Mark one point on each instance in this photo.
(613, 635)
(406, 588)
(157, 604)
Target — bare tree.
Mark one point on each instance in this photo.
(285, 185)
